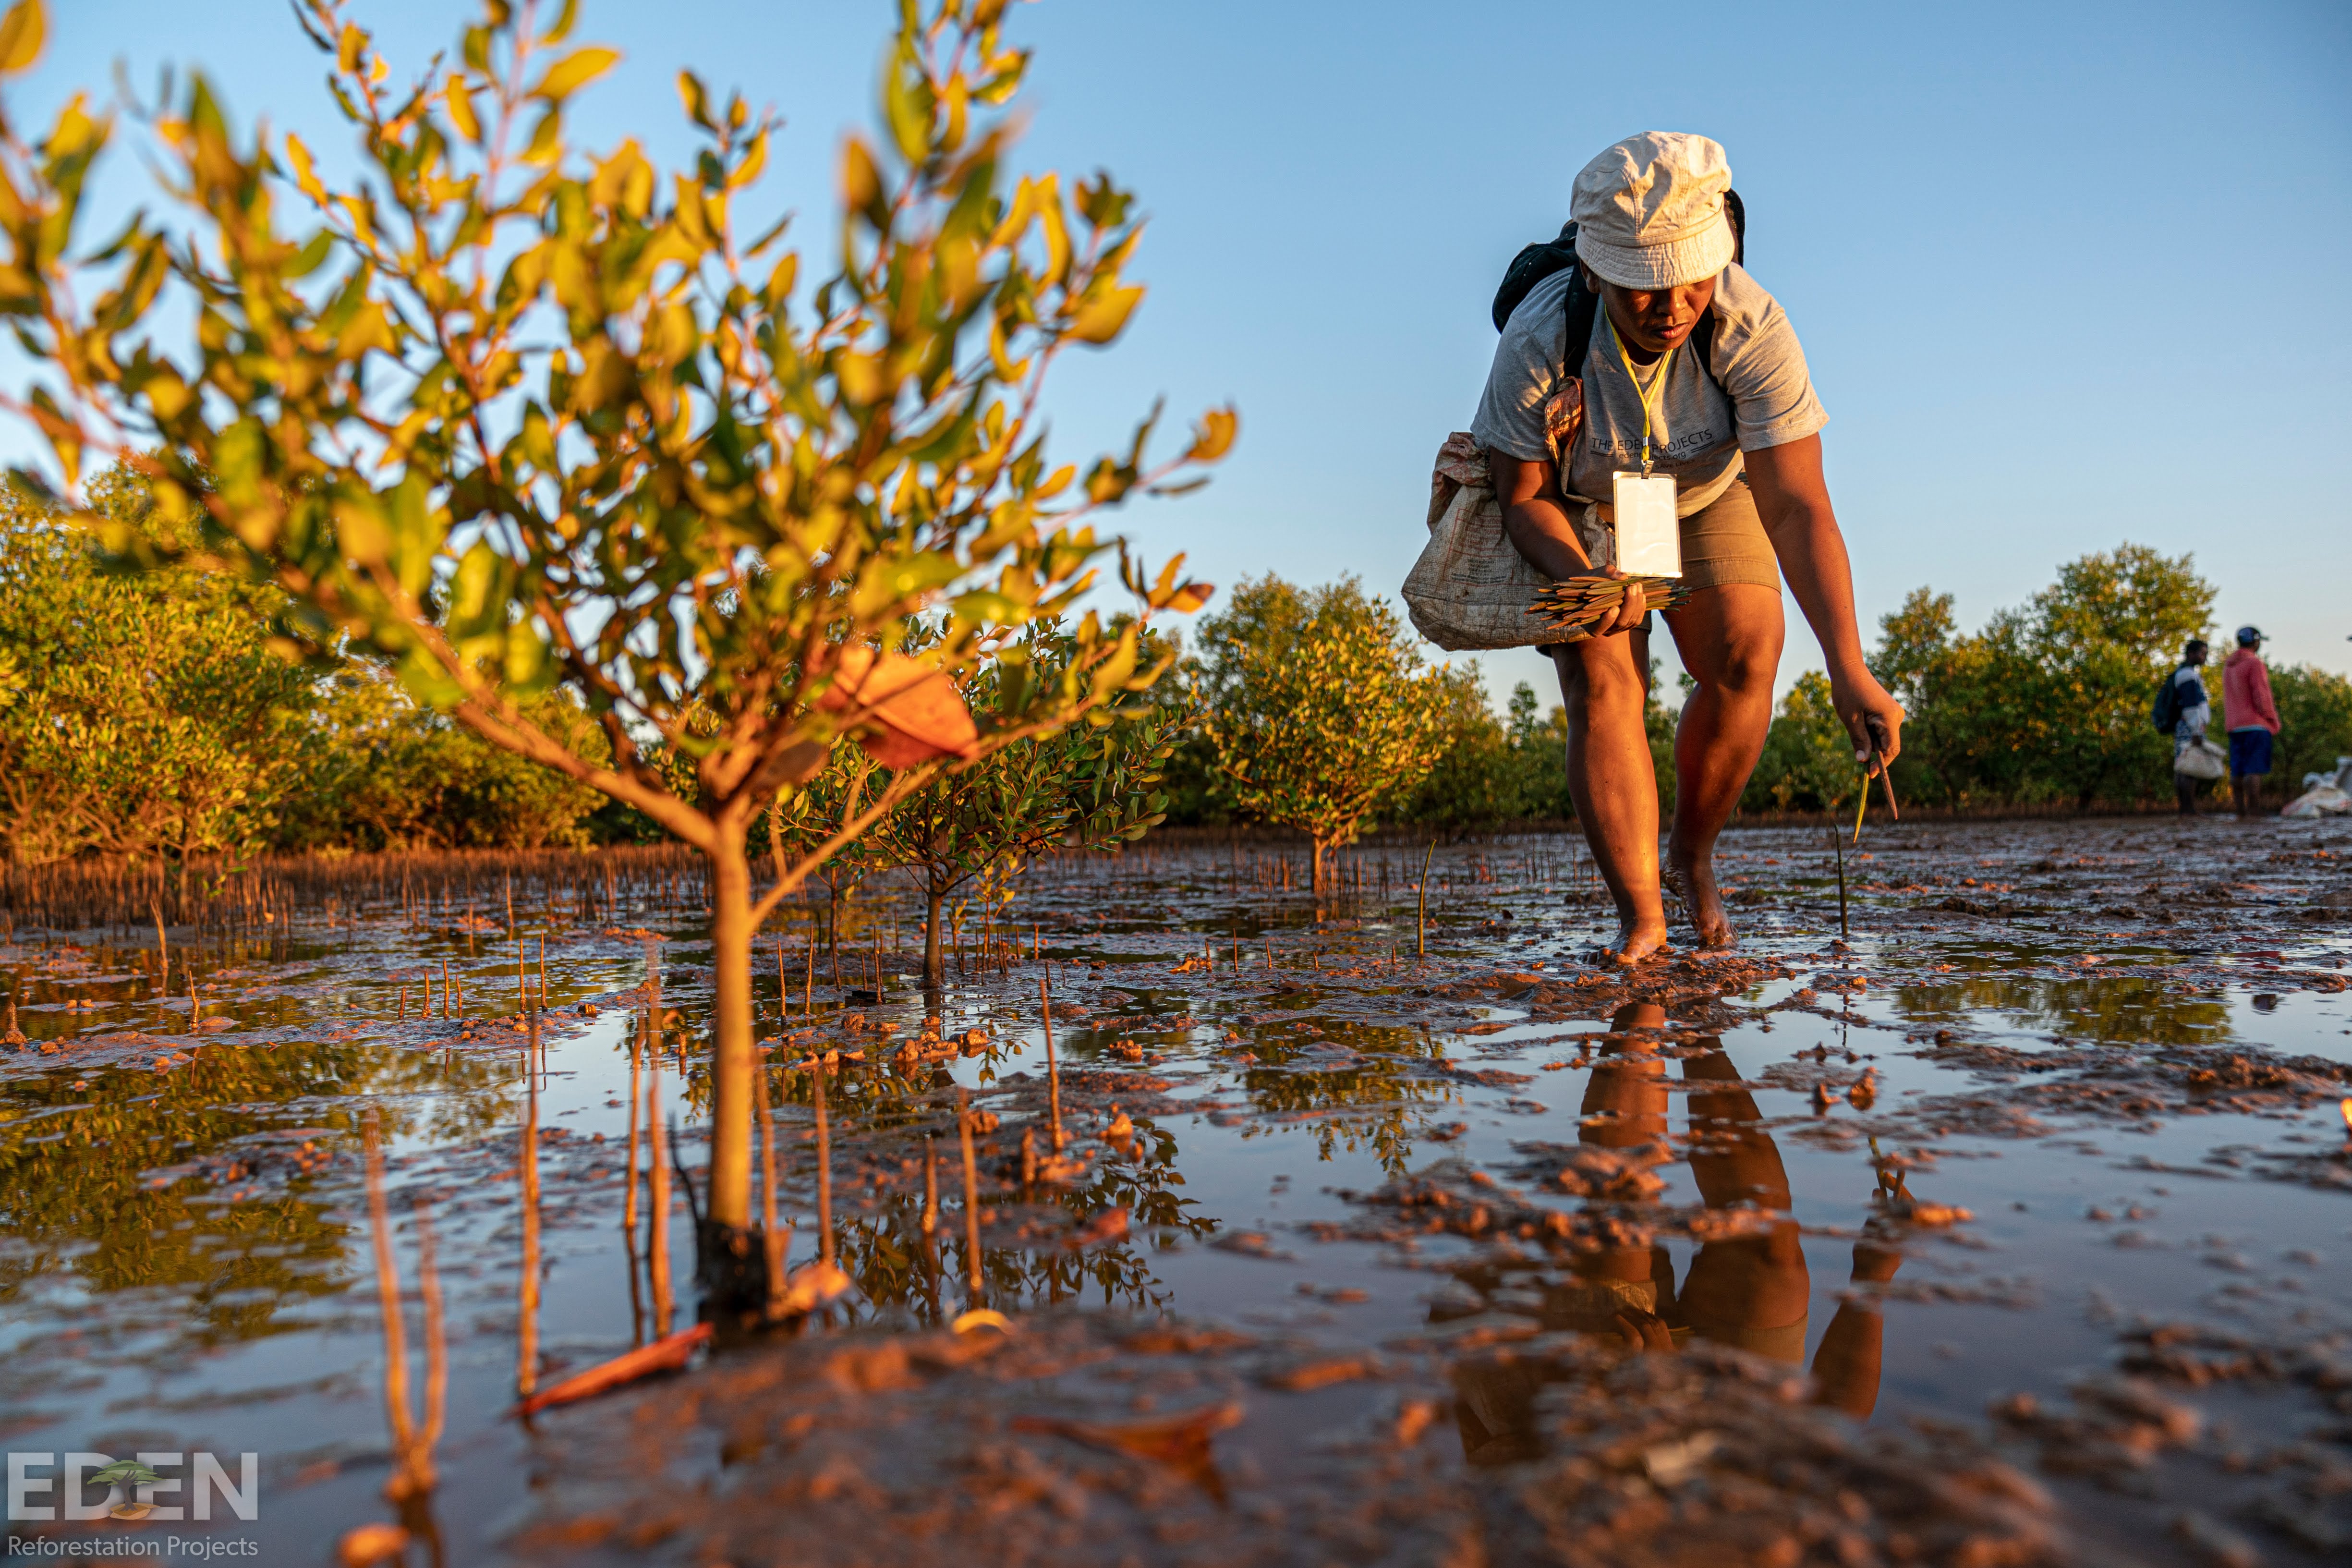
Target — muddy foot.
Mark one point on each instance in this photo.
(1635, 941)
(1691, 878)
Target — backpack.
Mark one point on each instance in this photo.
(1534, 263)
(2164, 713)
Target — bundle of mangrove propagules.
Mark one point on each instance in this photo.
(1573, 607)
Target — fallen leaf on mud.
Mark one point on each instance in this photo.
(813, 1285)
(1413, 1417)
(662, 1355)
(1933, 1215)
(1179, 1442)
(1323, 1373)
(370, 1543)
(1670, 1464)
(982, 1318)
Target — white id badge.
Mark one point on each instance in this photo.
(1649, 539)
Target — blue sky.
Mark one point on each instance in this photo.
(2067, 274)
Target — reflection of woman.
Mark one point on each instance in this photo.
(1753, 1291)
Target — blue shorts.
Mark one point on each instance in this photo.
(2249, 753)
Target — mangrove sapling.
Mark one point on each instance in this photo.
(1319, 710)
(522, 419)
(1088, 787)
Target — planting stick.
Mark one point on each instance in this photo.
(657, 1245)
(971, 1192)
(526, 1345)
(930, 1184)
(1838, 844)
(629, 1197)
(823, 1169)
(1420, 937)
(1053, 1068)
(771, 1238)
(437, 1343)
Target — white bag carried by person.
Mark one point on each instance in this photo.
(1472, 588)
(2202, 759)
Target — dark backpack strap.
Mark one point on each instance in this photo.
(1734, 211)
(1578, 309)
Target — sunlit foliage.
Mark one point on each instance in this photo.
(516, 415)
(1320, 710)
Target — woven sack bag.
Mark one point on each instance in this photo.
(1472, 588)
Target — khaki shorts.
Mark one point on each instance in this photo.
(1723, 542)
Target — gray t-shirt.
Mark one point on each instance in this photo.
(1765, 398)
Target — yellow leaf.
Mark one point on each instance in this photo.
(574, 71)
(461, 110)
(1213, 437)
(1101, 317)
(22, 33)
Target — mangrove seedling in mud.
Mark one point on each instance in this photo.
(1087, 787)
(518, 417)
(1318, 708)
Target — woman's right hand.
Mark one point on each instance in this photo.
(1630, 609)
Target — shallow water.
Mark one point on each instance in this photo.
(185, 1249)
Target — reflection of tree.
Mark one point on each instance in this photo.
(2123, 1009)
(879, 1119)
(74, 1195)
(901, 1272)
(1370, 1102)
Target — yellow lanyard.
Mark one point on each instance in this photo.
(1654, 392)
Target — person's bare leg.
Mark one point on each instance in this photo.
(1611, 781)
(1730, 639)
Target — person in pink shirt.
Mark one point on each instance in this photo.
(2252, 719)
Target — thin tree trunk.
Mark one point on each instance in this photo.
(730, 1180)
(935, 969)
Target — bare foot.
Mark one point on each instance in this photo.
(1692, 879)
(1636, 940)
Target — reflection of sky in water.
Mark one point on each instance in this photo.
(178, 1314)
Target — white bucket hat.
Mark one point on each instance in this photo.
(1649, 211)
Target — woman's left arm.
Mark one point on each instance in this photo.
(1794, 501)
